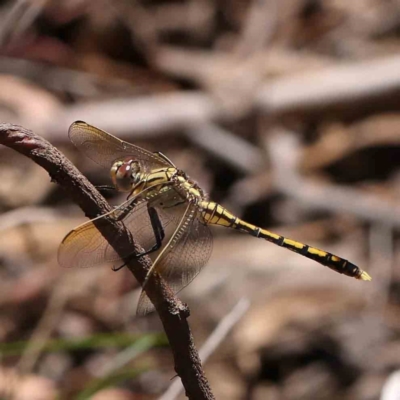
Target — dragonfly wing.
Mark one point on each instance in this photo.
(140, 225)
(145, 306)
(186, 253)
(104, 148)
(85, 245)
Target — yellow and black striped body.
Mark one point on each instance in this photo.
(214, 214)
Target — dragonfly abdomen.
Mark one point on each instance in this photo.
(323, 257)
(215, 214)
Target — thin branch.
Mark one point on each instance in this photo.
(42, 332)
(172, 312)
(223, 328)
(214, 340)
(125, 356)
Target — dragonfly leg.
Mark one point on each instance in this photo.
(159, 235)
(158, 230)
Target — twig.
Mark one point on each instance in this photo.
(22, 15)
(342, 89)
(13, 15)
(79, 83)
(249, 190)
(50, 318)
(127, 355)
(26, 215)
(240, 154)
(338, 88)
(223, 328)
(172, 312)
(195, 18)
(213, 341)
(329, 197)
(322, 196)
(144, 116)
(259, 26)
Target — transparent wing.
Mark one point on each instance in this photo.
(183, 258)
(104, 148)
(85, 246)
(139, 224)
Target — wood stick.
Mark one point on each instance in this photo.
(172, 312)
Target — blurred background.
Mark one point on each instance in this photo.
(287, 113)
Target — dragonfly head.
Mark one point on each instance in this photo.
(125, 174)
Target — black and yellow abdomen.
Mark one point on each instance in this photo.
(214, 214)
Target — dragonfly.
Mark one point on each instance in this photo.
(167, 213)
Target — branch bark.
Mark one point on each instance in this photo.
(172, 312)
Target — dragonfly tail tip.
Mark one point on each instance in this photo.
(364, 276)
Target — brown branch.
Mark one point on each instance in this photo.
(213, 341)
(172, 312)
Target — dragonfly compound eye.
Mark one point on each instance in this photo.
(125, 174)
(135, 172)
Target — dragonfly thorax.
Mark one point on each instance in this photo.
(125, 174)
